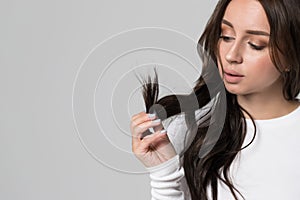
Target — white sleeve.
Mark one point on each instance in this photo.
(168, 181)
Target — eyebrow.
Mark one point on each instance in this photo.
(252, 32)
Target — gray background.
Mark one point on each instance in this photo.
(42, 46)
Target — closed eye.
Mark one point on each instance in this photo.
(256, 47)
(226, 38)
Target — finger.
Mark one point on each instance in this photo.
(152, 130)
(142, 116)
(156, 128)
(149, 142)
(137, 131)
(136, 115)
(159, 134)
(137, 141)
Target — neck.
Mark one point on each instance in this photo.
(266, 105)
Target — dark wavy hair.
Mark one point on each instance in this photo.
(204, 172)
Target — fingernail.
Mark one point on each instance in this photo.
(156, 121)
(163, 131)
(151, 115)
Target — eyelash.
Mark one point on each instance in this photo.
(226, 38)
(253, 46)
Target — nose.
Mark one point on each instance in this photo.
(234, 54)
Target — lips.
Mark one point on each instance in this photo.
(233, 73)
(232, 76)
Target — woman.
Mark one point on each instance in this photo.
(257, 50)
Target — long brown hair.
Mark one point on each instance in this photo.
(204, 172)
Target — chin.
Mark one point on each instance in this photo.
(235, 90)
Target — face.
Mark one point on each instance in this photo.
(244, 60)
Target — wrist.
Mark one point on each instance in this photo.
(170, 165)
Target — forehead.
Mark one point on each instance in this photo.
(247, 14)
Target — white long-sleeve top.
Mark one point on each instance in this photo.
(268, 169)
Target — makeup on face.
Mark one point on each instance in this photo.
(243, 50)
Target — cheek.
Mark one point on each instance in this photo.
(223, 49)
(220, 59)
(220, 68)
(263, 65)
(263, 72)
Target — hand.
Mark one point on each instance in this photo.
(150, 148)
